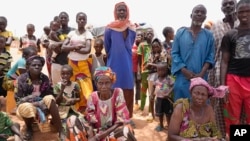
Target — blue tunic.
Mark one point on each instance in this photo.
(192, 54)
(119, 56)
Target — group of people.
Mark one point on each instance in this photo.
(219, 56)
(79, 84)
(190, 77)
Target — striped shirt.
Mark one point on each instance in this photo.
(5, 57)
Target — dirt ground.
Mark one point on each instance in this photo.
(144, 131)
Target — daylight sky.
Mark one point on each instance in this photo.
(158, 13)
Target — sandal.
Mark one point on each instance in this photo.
(159, 128)
(132, 123)
(29, 134)
(150, 118)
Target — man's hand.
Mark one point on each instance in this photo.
(226, 96)
(152, 97)
(188, 74)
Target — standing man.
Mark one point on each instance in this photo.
(235, 66)
(119, 38)
(228, 7)
(192, 53)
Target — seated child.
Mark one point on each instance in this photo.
(67, 93)
(7, 127)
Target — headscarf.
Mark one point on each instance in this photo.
(212, 92)
(30, 59)
(104, 71)
(119, 25)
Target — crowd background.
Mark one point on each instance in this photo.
(158, 14)
(157, 33)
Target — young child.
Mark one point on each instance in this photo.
(53, 38)
(29, 39)
(67, 93)
(20, 66)
(5, 64)
(7, 127)
(7, 34)
(137, 81)
(99, 58)
(162, 89)
(143, 52)
(44, 38)
(168, 33)
(45, 45)
(157, 55)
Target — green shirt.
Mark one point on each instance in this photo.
(5, 124)
(144, 50)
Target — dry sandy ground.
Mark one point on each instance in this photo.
(144, 131)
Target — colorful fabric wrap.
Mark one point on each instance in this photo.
(104, 71)
(218, 92)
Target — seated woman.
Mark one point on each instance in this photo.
(106, 108)
(9, 80)
(67, 95)
(195, 119)
(33, 94)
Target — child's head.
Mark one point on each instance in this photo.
(2, 42)
(54, 25)
(139, 37)
(57, 19)
(30, 29)
(163, 69)
(98, 45)
(29, 51)
(46, 30)
(149, 34)
(168, 32)
(156, 46)
(66, 72)
(3, 23)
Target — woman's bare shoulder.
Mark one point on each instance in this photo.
(178, 108)
(209, 108)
